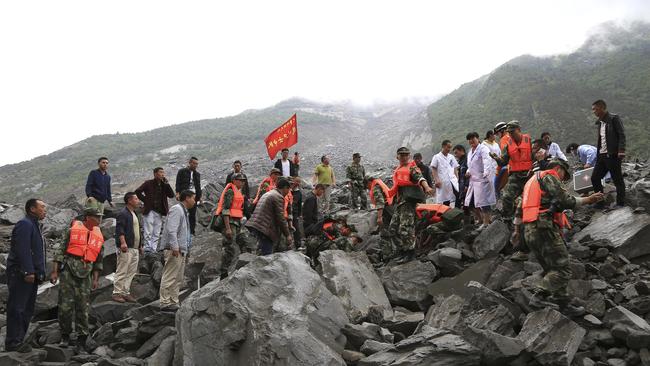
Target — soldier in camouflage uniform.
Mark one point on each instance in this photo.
(518, 166)
(234, 239)
(410, 187)
(541, 214)
(77, 277)
(356, 173)
(334, 235)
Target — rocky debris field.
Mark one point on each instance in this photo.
(460, 301)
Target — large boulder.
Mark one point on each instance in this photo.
(431, 347)
(11, 215)
(57, 221)
(479, 272)
(406, 284)
(364, 222)
(351, 277)
(628, 232)
(639, 193)
(552, 338)
(628, 327)
(275, 311)
(491, 240)
(205, 258)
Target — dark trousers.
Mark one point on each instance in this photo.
(297, 232)
(264, 243)
(605, 164)
(192, 216)
(20, 307)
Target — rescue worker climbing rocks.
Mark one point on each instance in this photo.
(229, 212)
(541, 212)
(411, 188)
(77, 263)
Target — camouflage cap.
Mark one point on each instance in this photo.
(561, 163)
(275, 171)
(512, 125)
(239, 176)
(92, 207)
(403, 150)
(356, 155)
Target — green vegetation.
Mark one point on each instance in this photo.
(555, 94)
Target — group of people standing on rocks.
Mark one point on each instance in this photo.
(525, 175)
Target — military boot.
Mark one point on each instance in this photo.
(519, 256)
(81, 348)
(540, 300)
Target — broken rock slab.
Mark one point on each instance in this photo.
(479, 272)
(628, 327)
(406, 284)
(551, 337)
(431, 347)
(274, 311)
(351, 277)
(628, 232)
(491, 240)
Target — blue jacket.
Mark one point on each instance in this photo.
(98, 185)
(27, 253)
(124, 226)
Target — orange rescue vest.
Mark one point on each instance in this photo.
(288, 200)
(402, 178)
(384, 188)
(268, 189)
(532, 200)
(520, 154)
(237, 206)
(434, 210)
(327, 227)
(84, 243)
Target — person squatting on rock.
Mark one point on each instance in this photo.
(517, 155)
(154, 193)
(176, 242)
(128, 239)
(78, 263)
(268, 223)
(411, 188)
(311, 214)
(190, 179)
(227, 219)
(541, 212)
(356, 173)
(334, 235)
(25, 271)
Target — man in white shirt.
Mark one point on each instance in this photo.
(552, 149)
(444, 169)
(286, 166)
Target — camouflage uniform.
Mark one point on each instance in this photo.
(356, 174)
(402, 224)
(543, 238)
(318, 243)
(74, 289)
(237, 244)
(514, 187)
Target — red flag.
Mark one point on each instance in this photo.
(282, 137)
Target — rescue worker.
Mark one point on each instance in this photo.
(541, 212)
(437, 219)
(267, 184)
(517, 155)
(78, 262)
(355, 172)
(380, 197)
(229, 212)
(411, 188)
(334, 235)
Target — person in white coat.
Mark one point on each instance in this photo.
(480, 193)
(444, 169)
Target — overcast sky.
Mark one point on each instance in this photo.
(72, 69)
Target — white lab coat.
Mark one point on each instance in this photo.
(445, 167)
(495, 149)
(481, 173)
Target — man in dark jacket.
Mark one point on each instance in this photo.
(189, 179)
(311, 217)
(128, 234)
(611, 150)
(154, 194)
(425, 169)
(268, 223)
(285, 165)
(25, 270)
(98, 184)
(461, 157)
